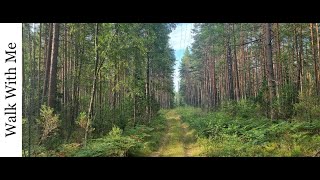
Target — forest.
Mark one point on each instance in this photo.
(107, 90)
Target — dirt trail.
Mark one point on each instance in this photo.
(179, 140)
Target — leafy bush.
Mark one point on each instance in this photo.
(68, 149)
(112, 145)
(82, 120)
(140, 140)
(287, 94)
(243, 109)
(262, 99)
(148, 136)
(49, 123)
(308, 108)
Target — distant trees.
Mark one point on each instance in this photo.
(272, 64)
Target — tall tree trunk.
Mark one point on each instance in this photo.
(33, 74)
(236, 66)
(114, 99)
(298, 58)
(148, 88)
(52, 90)
(229, 64)
(318, 46)
(66, 81)
(300, 64)
(314, 58)
(241, 63)
(93, 91)
(24, 52)
(271, 81)
(48, 64)
(30, 113)
(280, 76)
(39, 70)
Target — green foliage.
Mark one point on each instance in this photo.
(308, 108)
(115, 132)
(262, 98)
(159, 125)
(222, 134)
(67, 150)
(33, 134)
(82, 120)
(134, 141)
(243, 108)
(149, 136)
(112, 145)
(49, 123)
(287, 95)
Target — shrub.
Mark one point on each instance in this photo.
(82, 120)
(287, 95)
(112, 145)
(149, 137)
(49, 123)
(243, 109)
(68, 149)
(308, 108)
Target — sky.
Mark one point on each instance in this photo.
(180, 39)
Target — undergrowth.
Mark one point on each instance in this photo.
(135, 141)
(244, 133)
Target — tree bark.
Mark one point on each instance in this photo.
(229, 64)
(236, 66)
(48, 63)
(52, 90)
(39, 70)
(93, 91)
(318, 47)
(300, 64)
(148, 88)
(271, 81)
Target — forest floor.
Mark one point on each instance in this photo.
(179, 139)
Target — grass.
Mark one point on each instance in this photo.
(180, 140)
(174, 144)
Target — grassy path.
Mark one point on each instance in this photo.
(179, 140)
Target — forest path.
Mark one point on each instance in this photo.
(179, 140)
